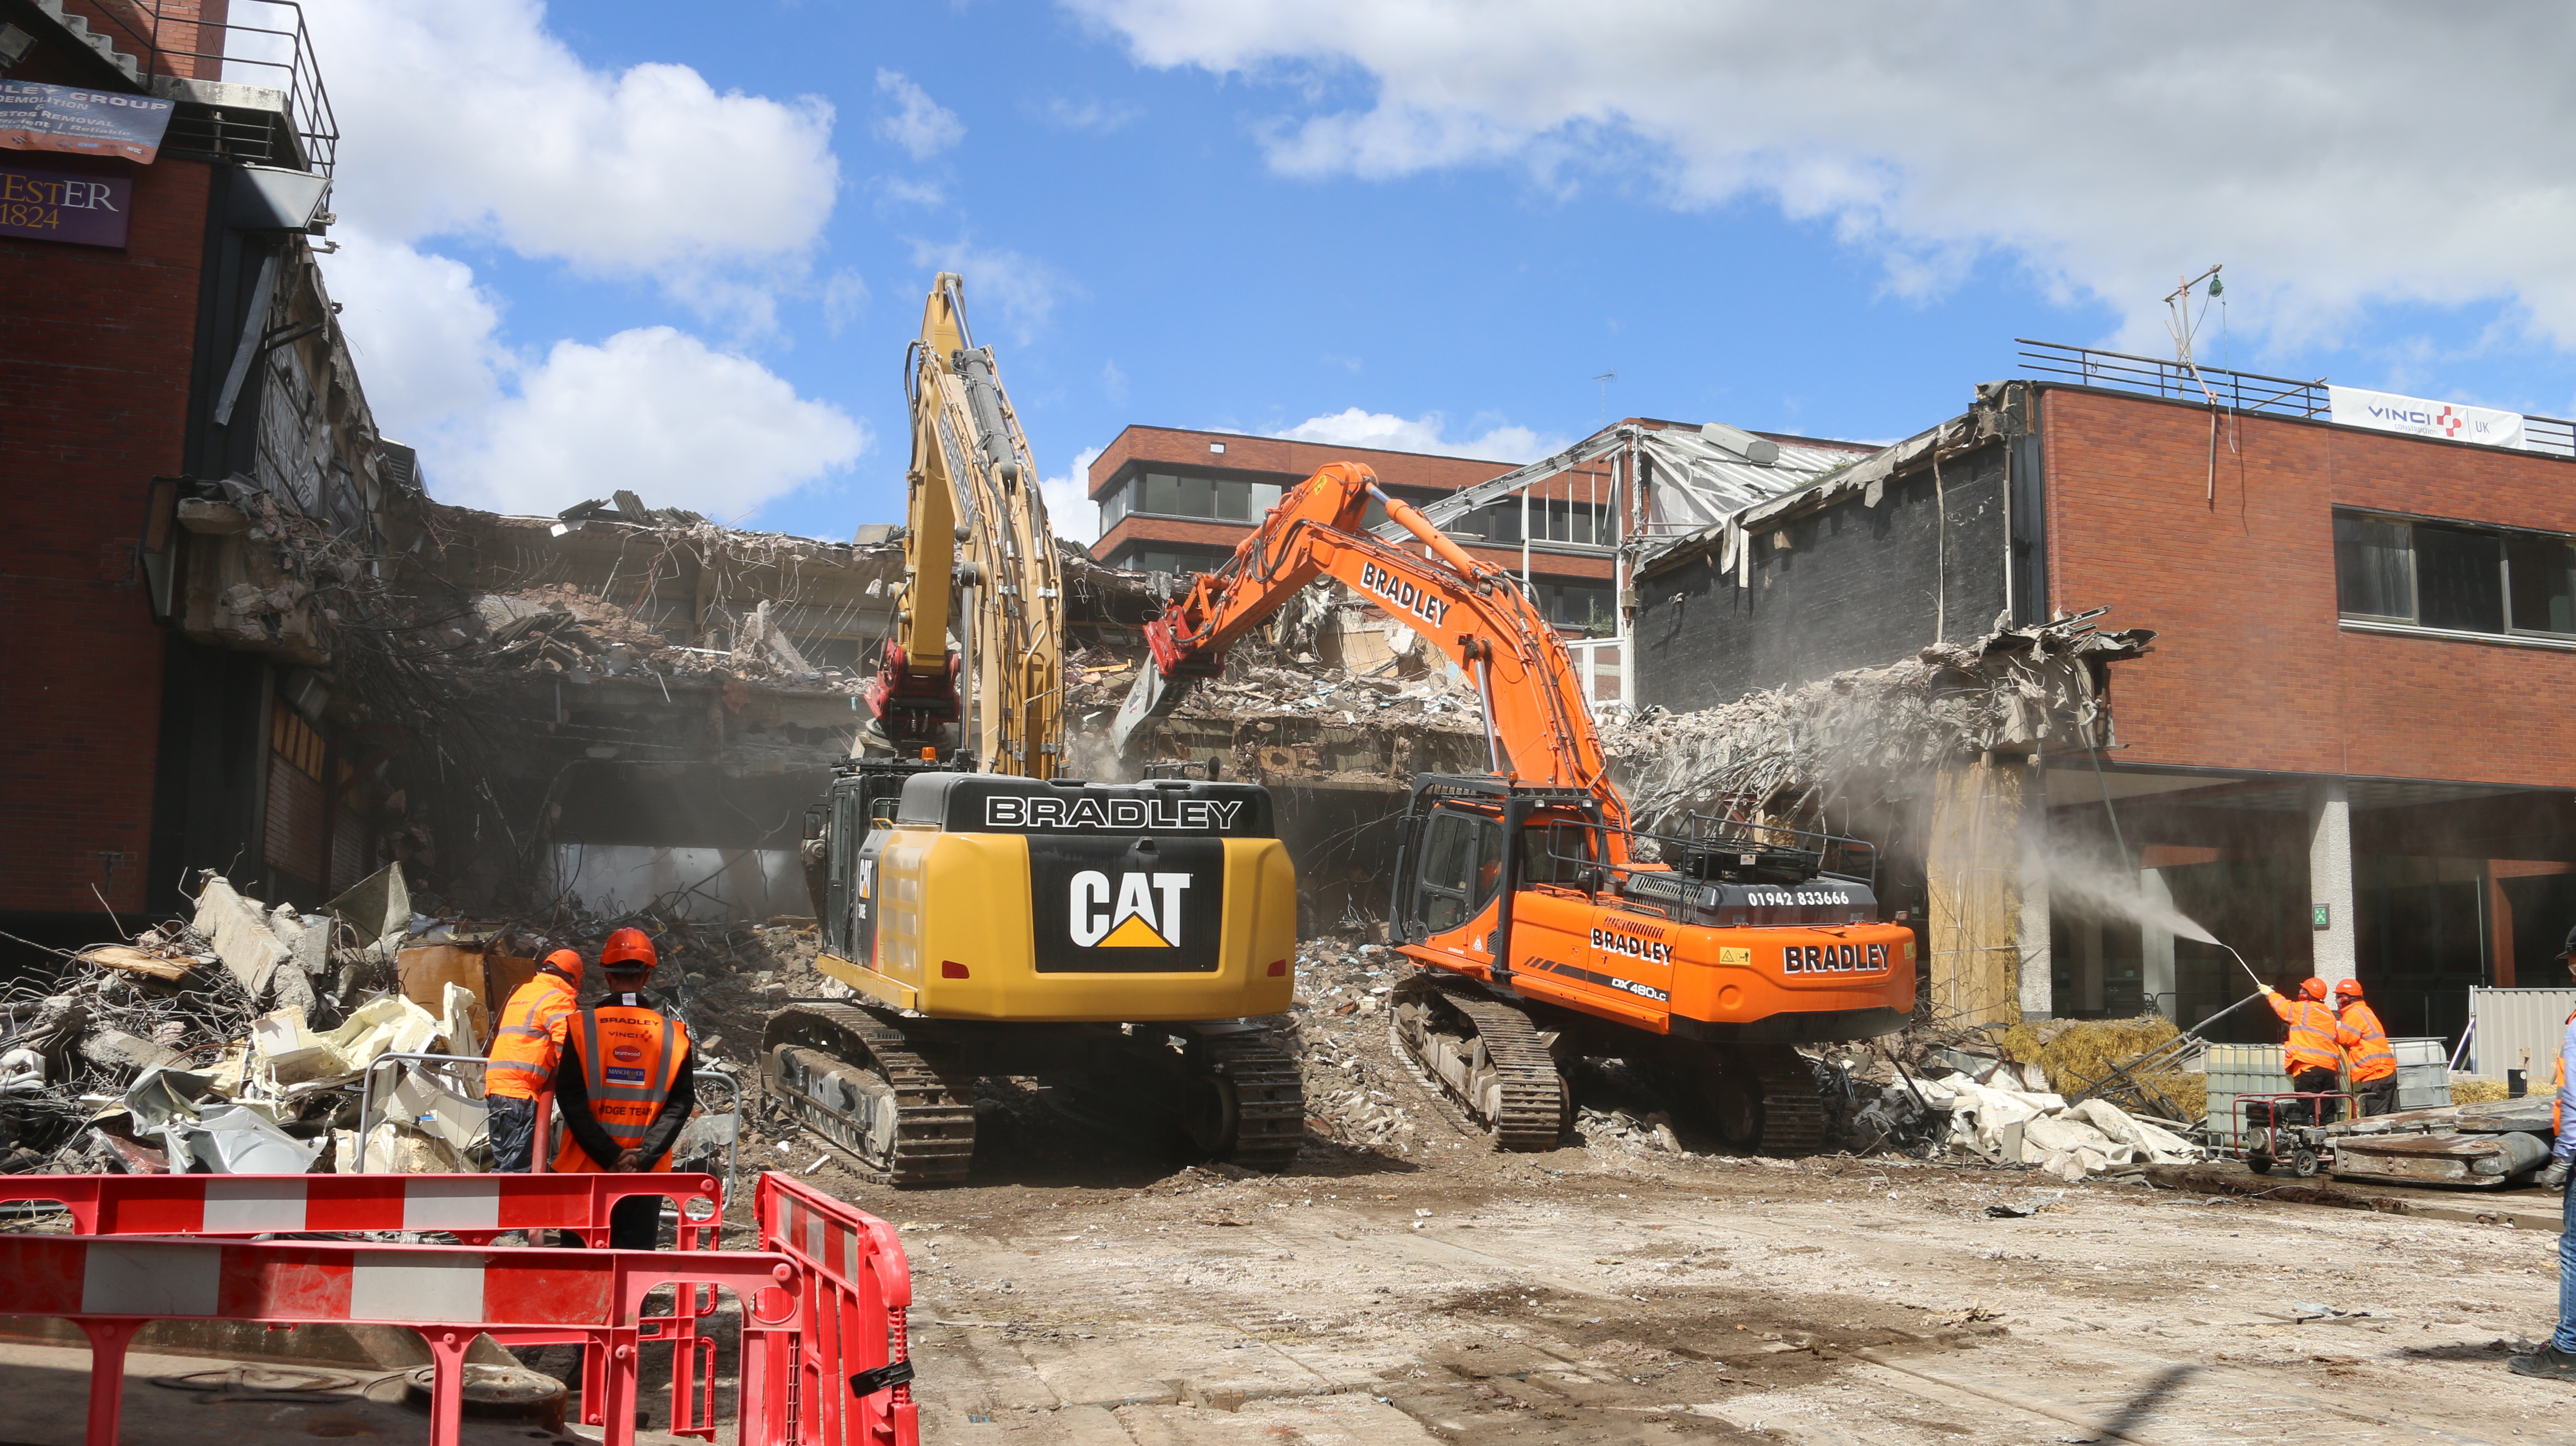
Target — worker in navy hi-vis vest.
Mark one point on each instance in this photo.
(623, 1087)
(2557, 1359)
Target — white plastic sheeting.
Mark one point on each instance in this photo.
(2031, 1127)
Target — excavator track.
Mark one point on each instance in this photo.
(1498, 1073)
(1793, 1106)
(853, 1078)
(1269, 1099)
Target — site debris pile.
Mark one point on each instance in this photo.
(1874, 735)
(1338, 1030)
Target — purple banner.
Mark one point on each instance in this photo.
(39, 117)
(79, 207)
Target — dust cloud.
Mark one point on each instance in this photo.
(2109, 887)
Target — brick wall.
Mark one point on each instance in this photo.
(2251, 670)
(95, 346)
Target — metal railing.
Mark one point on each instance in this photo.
(2164, 377)
(278, 57)
(2235, 390)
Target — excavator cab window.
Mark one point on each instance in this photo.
(1462, 865)
(1556, 853)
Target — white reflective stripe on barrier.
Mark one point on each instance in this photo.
(149, 1278)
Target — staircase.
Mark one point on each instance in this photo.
(77, 27)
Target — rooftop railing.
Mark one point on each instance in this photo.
(169, 38)
(2234, 390)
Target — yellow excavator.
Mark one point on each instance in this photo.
(1120, 942)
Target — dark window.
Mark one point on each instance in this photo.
(1169, 495)
(1555, 853)
(2373, 574)
(1462, 861)
(2539, 566)
(2459, 578)
(1198, 497)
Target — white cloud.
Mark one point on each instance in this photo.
(1023, 289)
(468, 118)
(422, 331)
(654, 410)
(1426, 433)
(1100, 117)
(2336, 156)
(920, 125)
(845, 299)
(1071, 514)
(1113, 383)
(469, 121)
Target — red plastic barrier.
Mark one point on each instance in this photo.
(111, 1286)
(473, 1208)
(852, 1363)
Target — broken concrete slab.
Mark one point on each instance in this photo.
(238, 925)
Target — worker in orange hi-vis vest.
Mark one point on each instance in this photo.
(2310, 1055)
(2557, 1360)
(623, 1087)
(2368, 1058)
(523, 1057)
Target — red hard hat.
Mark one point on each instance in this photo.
(630, 947)
(2348, 988)
(568, 961)
(2309, 988)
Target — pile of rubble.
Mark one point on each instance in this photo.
(558, 629)
(1357, 1091)
(1874, 734)
(251, 1039)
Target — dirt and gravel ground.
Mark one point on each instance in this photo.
(1405, 1283)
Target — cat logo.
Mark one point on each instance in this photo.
(1147, 914)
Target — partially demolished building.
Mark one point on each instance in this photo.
(2293, 767)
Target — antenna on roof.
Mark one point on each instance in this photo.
(1605, 379)
(2179, 321)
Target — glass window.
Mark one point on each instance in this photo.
(1555, 853)
(1234, 501)
(2459, 578)
(1113, 505)
(1448, 870)
(1198, 497)
(2374, 574)
(2539, 566)
(1583, 523)
(1375, 517)
(1265, 495)
(1162, 493)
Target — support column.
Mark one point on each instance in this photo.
(2330, 879)
(2037, 984)
(1973, 877)
(2156, 949)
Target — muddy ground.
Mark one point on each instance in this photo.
(1405, 1283)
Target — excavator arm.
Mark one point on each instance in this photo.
(979, 562)
(1538, 728)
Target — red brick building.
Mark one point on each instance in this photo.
(162, 344)
(2349, 751)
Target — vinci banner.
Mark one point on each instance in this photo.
(2388, 412)
(39, 117)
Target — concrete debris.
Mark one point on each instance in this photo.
(1874, 735)
(2007, 1126)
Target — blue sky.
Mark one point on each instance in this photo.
(1406, 220)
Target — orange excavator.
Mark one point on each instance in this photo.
(1543, 926)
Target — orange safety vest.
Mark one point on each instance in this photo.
(630, 1059)
(2311, 1044)
(2365, 1044)
(2558, 1081)
(531, 1037)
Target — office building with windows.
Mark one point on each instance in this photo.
(1177, 501)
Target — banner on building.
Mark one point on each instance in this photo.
(2389, 412)
(39, 117)
(85, 209)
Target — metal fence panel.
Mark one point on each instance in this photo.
(2517, 1029)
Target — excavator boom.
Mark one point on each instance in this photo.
(1538, 728)
(980, 562)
